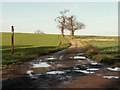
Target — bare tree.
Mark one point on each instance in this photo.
(62, 20)
(72, 25)
(68, 23)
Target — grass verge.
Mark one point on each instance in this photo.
(30, 46)
(102, 48)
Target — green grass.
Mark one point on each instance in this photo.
(102, 51)
(106, 47)
(30, 46)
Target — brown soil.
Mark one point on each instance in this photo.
(90, 81)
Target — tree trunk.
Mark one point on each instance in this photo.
(62, 32)
(72, 33)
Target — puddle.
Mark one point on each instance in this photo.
(50, 58)
(81, 67)
(92, 69)
(55, 72)
(60, 58)
(30, 74)
(79, 57)
(63, 69)
(85, 68)
(91, 62)
(76, 68)
(29, 71)
(79, 61)
(51, 62)
(40, 64)
(84, 71)
(111, 77)
(117, 69)
(93, 65)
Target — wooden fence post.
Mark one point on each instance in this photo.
(12, 39)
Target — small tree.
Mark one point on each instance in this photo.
(72, 25)
(62, 20)
(39, 32)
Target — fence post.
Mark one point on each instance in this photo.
(12, 39)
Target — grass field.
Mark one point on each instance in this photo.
(29, 46)
(106, 47)
(96, 37)
(102, 48)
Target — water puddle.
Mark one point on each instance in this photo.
(30, 74)
(79, 57)
(56, 72)
(93, 62)
(111, 77)
(92, 69)
(84, 71)
(50, 58)
(51, 70)
(40, 64)
(29, 71)
(51, 62)
(61, 57)
(116, 69)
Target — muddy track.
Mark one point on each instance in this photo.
(68, 68)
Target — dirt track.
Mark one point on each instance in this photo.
(64, 60)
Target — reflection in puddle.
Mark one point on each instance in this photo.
(56, 72)
(114, 69)
(40, 64)
(30, 74)
(51, 62)
(79, 57)
(93, 62)
(60, 57)
(84, 71)
(111, 77)
(29, 71)
(92, 69)
(76, 68)
(50, 58)
(92, 66)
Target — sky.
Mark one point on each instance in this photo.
(100, 18)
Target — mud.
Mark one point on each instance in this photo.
(60, 70)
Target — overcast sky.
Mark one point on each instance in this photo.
(100, 18)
